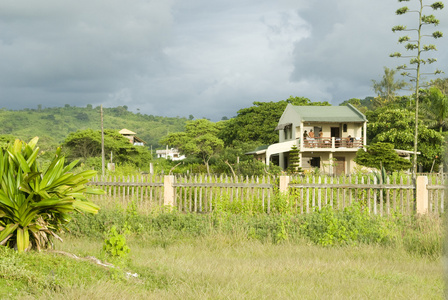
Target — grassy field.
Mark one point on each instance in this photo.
(181, 256)
(224, 267)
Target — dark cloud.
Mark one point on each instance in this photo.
(206, 58)
(349, 45)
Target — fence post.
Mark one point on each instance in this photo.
(422, 195)
(168, 190)
(284, 182)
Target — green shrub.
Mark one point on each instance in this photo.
(353, 225)
(35, 205)
(115, 244)
(327, 227)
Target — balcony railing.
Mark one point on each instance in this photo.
(332, 142)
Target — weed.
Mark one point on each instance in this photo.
(354, 225)
(115, 245)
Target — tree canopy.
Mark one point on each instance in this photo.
(393, 125)
(382, 155)
(85, 144)
(387, 88)
(199, 139)
(257, 123)
(435, 108)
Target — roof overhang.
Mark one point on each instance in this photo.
(256, 152)
(283, 126)
(139, 140)
(260, 150)
(405, 152)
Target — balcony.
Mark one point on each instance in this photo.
(331, 143)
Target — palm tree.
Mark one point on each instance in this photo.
(436, 112)
(387, 88)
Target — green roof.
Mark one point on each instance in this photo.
(258, 149)
(330, 113)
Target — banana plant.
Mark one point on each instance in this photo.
(35, 205)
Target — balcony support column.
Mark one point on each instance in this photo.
(301, 136)
(364, 140)
(281, 160)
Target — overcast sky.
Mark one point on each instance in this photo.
(199, 57)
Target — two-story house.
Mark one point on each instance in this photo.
(328, 138)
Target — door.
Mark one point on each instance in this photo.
(335, 132)
(315, 162)
(339, 165)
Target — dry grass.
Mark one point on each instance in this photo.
(225, 267)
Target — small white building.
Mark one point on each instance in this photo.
(172, 154)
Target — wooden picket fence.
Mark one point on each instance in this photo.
(303, 194)
(196, 193)
(395, 195)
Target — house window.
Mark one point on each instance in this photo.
(288, 133)
(344, 128)
(315, 162)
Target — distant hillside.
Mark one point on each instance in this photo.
(56, 123)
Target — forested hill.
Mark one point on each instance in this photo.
(54, 124)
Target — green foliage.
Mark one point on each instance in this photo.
(390, 125)
(387, 88)
(41, 274)
(380, 155)
(35, 204)
(199, 139)
(294, 161)
(6, 139)
(441, 84)
(115, 244)
(241, 164)
(435, 109)
(257, 123)
(85, 144)
(416, 60)
(422, 236)
(27, 123)
(354, 225)
(363, 105)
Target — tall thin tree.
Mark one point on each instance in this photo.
(416, 61)
(387, 88)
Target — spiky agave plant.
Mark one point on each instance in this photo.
(35, 205)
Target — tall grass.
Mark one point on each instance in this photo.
(354, 225)
(222, 266)
(327, 254)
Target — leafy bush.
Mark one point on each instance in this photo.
(115, 244)
(353, 225)
(35, 204)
